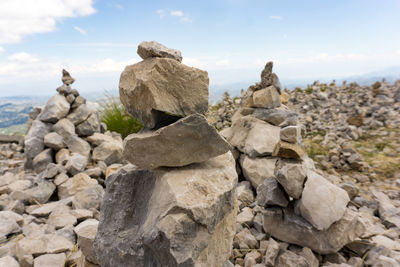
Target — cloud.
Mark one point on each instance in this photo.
(176, 13)
(222, 63)
(276, 17)
(2, 50)
(22, 57)
(80, 30)
(183, 17)
(21, 18)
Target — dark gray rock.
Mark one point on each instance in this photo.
(34, 141)
(155, 49)
(90, 126)
(271, 193)
(277, 117)
(56, 108)
(41, 160)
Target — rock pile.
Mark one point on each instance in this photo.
(294, 204)
(50, 208)
(175, 205)
(220, 115)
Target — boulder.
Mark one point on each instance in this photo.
(89, 126)
(322, 203)
(54, 140)
(256, 170)
(285, 225)
(158, 91)
(189, 140)
(155, 49)
(65, 128)
(253, 136)
(266, 98)
(271, 193)
(34, 140)
(56, 108)
(291, 175)
(79, 114)
(42, 159)
(78, 145)
(169, 216)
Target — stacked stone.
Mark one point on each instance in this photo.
(175, 205)
(50, 209)
(294, 203)
(221, 115)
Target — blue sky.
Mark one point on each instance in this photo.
(231, 39)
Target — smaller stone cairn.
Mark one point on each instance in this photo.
(176, 204)
(293, 202)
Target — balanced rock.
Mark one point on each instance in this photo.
(169, 216)
(57, 107)
(253, 136)
(159, 91)
(322, 203)
(285, 225)
(269, 78)
(189, 140)
(155, 49)
(66, 78)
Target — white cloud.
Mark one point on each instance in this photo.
(222, 63)
(183, 17)
(2, 50)
(176, 13)
(22, 57)
(20, 18)
(161, 13)
(276, 17)
(80, 30)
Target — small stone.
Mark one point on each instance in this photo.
(256, 170)
(50, 260)
(290, 259)
(65, 128)
(66, 78)
(89, 126)
(79, 115)
(271, 252)
(86, 237)
(351, 189)
(244, 193)
(270, 193)
(291, 134)
(109, 152)
(246, 217)
(41, 161)
(291, 175)
(76, 163)
(54, 140)
(78, 145)
(41, 192)
(89, 198)
(266, 98)
(288, 151)
(62, 156)
(56, 108)
(79, 182)
(155, 49)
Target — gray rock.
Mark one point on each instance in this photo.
(351, 189)
(291, 175)
(109, 152)
(277, 117)
(62, 156)
(269, 78)
(189, 140)
(271, 252)
(34, 141)
(56, 108)
(162, 218)
(76, 163)
(41, 192)
(266, 98)
(79, 182)
(322, 203)
(291, 134)
(78, 145)
(387, 210)
(66, 78)
(86, 237)
(290, 259)
(64, 89)
(155, 49)
(89, 198)
(65, 128)
(244, 194)
(50, 260)
(61, 217)
(253, 136)
(54, 140)
(79, 115)
(256, 170)
(79, 100)
(271, 193)
(179, 91)
(90, 126)
(246, 217)
(42, 159)
(288, 151)
(8, 261)
(52, 170)
(284, 225)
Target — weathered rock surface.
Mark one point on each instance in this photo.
(159, 91)
(56, 108)
(266, 98)
(253, 136)
(256, 170)
(291, 175)
(169, 217)
(34, 140)
(271, 193)
(155, 49)
(322, 203)
(283, 224)
(189, 140)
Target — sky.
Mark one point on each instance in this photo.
(231, 39)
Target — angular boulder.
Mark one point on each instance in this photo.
(277, 117)
(256, 170)
(291, 175)
(271, 193)
(158, 91)
(322, 203)
(34, 140)
(253, 136)
(266, 98)
(169, 216)
(189, 140)
(56, 108)
(285, 225)
(155, 49)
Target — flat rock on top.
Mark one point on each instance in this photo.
(189, 140)
(155, 49)
(159, 91)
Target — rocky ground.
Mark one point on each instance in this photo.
(303, 178)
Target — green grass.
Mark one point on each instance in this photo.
(19, 129)
(116, 117)
(309, 90)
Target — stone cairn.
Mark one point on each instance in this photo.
(176, 204)
(294, 203)
(49, 210)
